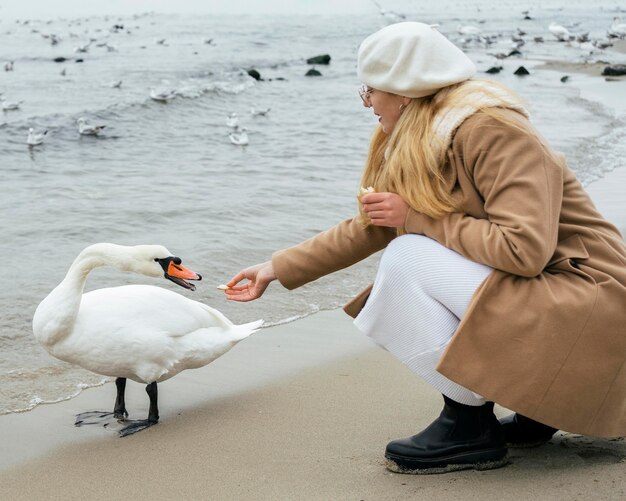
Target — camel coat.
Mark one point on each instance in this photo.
(545, 334)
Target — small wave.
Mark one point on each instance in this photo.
(36, 400)
(315, 309)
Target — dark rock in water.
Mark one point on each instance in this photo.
(323, 59)
(79, 60)
(564, 78)
(494, 69)
(521, 71)
(312, 73)
(514, 52)
(60, 59)
(278, 78)
(538, 39)
(612, 79)
(615, 70)
(254, 74)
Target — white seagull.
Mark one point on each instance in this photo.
(82, 48)
(9, 105)
(86, 129)
(232, 121)
(139, 332)
(117, 84)
(560, 32)
(617, 29)
(239, 137)
(469, 30)
(259, 113)
(392, 17)
(163, 96)
(35, 138)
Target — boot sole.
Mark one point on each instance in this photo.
(476, 460)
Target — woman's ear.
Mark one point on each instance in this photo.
(406, 100)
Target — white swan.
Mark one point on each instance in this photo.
(141, 332)
(560, 32)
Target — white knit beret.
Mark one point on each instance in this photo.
(411, 59)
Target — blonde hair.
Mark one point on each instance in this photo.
(409, 161)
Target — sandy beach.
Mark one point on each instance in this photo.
(298, 411)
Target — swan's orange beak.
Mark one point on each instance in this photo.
(178, 274)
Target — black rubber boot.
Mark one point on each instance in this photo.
(520, 431)
(461, 438)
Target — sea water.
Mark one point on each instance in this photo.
(166, 173)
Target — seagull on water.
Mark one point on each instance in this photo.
(162, 96)
(117, 84)
(259, 113)
(35, 138)
(86, 129)
(232, 121)
(8, 66)
(469, 30)
(560, 32)
(239, 137)
(82, 48)
(8, 105)
(390, 15)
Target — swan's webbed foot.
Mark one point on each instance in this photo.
(136, 425)
(153, 414)
(94, 417)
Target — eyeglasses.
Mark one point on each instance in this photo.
(365, 92)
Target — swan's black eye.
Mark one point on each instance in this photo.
(156, 259)
(177, 260)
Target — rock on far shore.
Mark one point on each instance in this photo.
(312, 73)
(254, 74)
(614, 70)
(322, 59)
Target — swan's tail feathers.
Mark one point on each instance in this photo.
(244, 330)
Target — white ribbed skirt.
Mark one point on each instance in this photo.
(421, 292)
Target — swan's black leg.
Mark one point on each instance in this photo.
(119, 411)
(153, 414)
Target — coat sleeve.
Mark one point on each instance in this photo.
(339, 247)
(521, 183)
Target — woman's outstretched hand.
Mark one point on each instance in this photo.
(258, 276)
(385, 209)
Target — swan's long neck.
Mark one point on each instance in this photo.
(56, 314)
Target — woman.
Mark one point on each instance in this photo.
(500, 281)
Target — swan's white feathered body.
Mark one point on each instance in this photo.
(140, 332)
